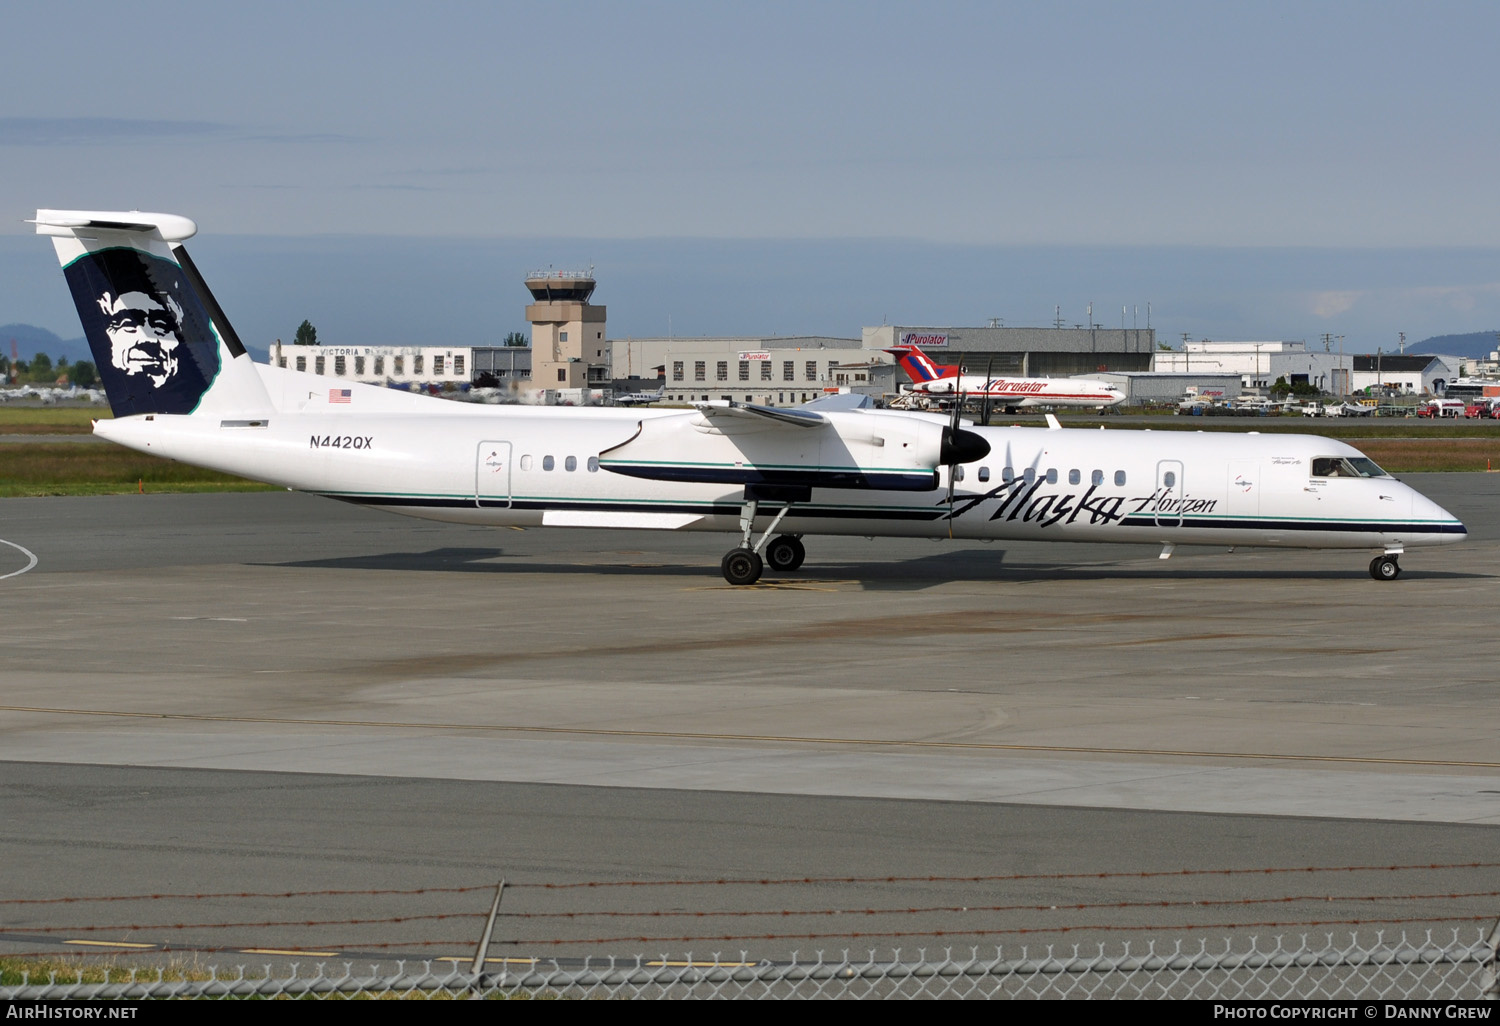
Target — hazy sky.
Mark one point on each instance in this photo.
(1356, 142)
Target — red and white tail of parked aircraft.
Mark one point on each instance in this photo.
(1010, 393)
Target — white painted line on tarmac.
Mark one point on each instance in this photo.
(27, 552)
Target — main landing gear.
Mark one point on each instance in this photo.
(1385, 568)
(745, 564)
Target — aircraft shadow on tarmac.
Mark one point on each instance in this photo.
(894, 575)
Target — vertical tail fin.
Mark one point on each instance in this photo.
(919, 366)
(159, 339)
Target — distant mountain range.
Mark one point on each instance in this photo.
(1476, 345)
(30, 340)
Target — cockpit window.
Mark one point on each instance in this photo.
(1366, 467)
(1340, 466)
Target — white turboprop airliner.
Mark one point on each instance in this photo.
(1010, 394)
(182, 386)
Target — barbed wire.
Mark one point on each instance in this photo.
(759, 882)
(509, 916)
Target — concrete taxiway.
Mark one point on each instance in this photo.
(195, 638)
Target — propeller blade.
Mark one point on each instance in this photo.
(989, 376)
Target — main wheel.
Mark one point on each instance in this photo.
(741, 566)
(785, 553)
(1385, 568)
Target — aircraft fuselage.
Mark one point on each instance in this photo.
(525, 466)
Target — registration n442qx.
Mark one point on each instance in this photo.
(182, 386)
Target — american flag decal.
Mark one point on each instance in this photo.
(338, 395)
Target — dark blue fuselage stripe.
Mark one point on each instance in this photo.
(916, 513)
(1247, 524)
(885, 481)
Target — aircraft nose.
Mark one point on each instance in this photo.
(1447, 526)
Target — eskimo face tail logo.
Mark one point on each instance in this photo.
(144, 335)
(151, 337)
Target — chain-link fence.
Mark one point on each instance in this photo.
(1304, 968)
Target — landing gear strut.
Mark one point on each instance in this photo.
(1385, 568)
(744, 565)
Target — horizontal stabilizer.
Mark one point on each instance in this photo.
(69, 223)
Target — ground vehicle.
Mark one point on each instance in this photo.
(1441, 408)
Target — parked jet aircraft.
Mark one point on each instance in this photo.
(1009, 393)
(182, 386)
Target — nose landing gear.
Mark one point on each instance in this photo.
(744, 565)
(1385, 568)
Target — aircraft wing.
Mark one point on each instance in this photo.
(723, 415)
(761, 445)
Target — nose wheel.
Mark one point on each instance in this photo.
(1385, 568)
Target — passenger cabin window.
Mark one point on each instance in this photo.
(1030, 475)
(1007, 475)
(1052, 475)
(570, 464)
(1074, 477)
(1169, 479)
(526, 462)
(984, 473)
(1120, 479)
(1096, 478)
(593, 464)
(548, 463)
(958, 473)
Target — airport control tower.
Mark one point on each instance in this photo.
(565, 330)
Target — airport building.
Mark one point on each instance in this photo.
(1025, 352)
(568, 346)
(1260, 364)
(380, 365)
(775, 371)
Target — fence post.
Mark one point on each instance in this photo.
(483, 947)
(1491, 990)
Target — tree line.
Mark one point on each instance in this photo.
(41, 370)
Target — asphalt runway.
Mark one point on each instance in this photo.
(265, 693)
